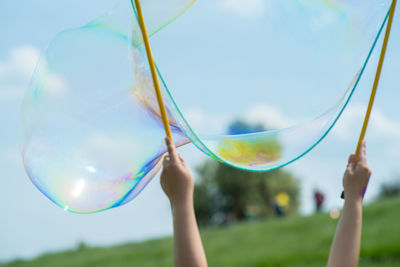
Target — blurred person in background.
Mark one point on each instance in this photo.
(319, 200)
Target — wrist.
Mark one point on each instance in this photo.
(353, 200)
(354, 195)
(182, 202)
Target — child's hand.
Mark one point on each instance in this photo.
(176, 177)
(356, 176)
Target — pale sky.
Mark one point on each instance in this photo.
(30, 224)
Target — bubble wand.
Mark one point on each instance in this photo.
(156, 83)
(375, 86)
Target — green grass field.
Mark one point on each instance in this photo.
(294, 241)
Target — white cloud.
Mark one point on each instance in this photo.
(20, 63)
(200, 120)
(16, 72)
(344, 129)
(383, 126)
(271, 117)
(56, 85)
(248, 8)
(380, 125)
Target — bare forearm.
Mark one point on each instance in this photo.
(188, 248)
(346, 245)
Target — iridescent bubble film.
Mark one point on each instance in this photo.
(93, 133)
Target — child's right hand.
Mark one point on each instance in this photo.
(357, 176)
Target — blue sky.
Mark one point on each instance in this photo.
(30, 224)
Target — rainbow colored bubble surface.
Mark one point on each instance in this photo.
(93, 133)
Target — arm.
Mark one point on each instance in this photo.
(177, 183)
(346, 245)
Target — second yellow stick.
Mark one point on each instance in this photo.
(377, 78)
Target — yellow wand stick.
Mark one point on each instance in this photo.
(377, 77)
(163, 112)
(376, 82)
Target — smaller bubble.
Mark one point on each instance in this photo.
(334, 214)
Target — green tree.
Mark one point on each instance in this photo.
(225, 193)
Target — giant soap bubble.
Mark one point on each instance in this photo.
(93, 133)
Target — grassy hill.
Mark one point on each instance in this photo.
(294, 241)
